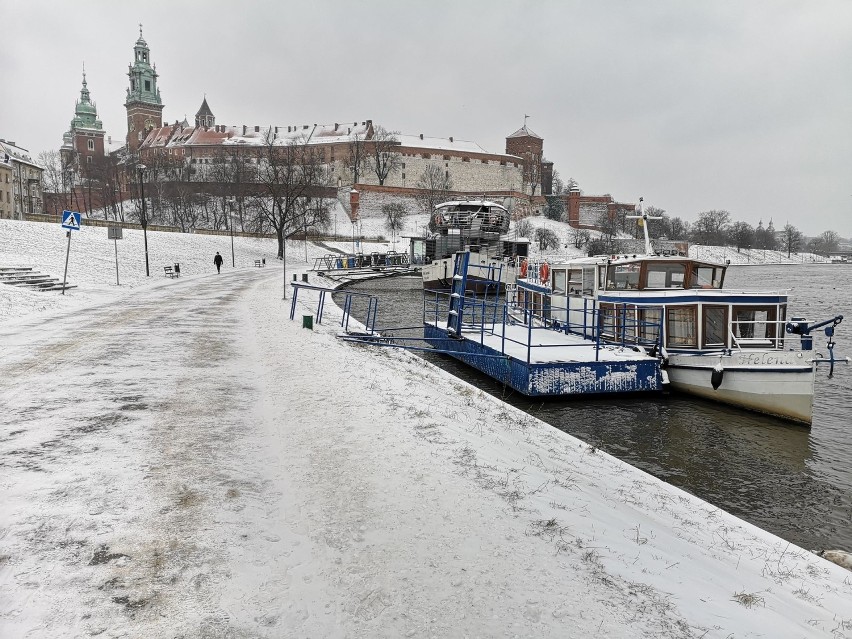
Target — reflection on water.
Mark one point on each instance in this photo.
(784, 478)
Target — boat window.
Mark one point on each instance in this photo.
(754, 326)
(680, 326)
(607, 320)
(649, 324)
(559, 279)
(715, 326)
(623, 276)
(574, 283)
(706, 277)
(665, 275)
(588, 280)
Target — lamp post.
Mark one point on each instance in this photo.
(231, 224)
(143, 220)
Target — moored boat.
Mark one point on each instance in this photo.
(735, 347)
(480, 227)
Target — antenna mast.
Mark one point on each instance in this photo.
(644, 217)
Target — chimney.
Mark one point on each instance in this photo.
(257, 129)
(276, 131)
(244, 129)
(421, 136)
(335, 126)
(288, 128)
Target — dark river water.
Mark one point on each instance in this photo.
(792, 481)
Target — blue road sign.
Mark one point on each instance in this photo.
(71, 220)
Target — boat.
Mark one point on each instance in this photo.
(732, 346)
(481, 228)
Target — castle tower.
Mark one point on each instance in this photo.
(143, 103)
(205, 116)
(538, 175)
(83, 143)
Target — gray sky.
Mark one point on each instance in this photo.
(737, 105)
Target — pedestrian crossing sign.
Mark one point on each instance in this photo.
(71, 220)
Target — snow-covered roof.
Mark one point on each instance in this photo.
(440, 144)
(524, 132)
(18, 154)
(176, 135)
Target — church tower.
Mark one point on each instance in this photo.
(143, 103)
(205, 116)
(83, 143)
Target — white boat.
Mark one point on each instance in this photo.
(481, 227)
(735, 347)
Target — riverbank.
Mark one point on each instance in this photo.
(224, 472)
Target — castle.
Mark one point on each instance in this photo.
(196, 152)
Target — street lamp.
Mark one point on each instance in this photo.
(231, 224)
(143, 220)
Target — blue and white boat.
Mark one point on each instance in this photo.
(733, 346)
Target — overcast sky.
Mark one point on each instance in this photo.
(743, 105)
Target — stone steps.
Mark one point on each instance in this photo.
(26, 277)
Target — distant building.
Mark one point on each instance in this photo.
(25, 178)
(83, 143)
(6, 208)
(537, 172)
(588, 211)
(143, 103)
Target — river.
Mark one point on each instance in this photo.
(792, 481)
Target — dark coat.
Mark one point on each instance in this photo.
(218, 260)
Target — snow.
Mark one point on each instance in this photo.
(179, 459)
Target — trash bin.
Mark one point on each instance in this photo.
(308, 321)
(304, 277)
(177, 269)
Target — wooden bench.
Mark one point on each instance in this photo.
(170, 272)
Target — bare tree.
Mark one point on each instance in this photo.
(384, 158)
(287, 175)
(711, 228)
(825, 244)
(52, 180)
(791, 239)
(524, 228)
(434, 186)
(394, 218)
(580, 237)
(742, 235)
(357, 157)
(546, 238)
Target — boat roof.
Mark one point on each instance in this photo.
(486, 203)
(633, 259)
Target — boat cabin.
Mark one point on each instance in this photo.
(671, 301)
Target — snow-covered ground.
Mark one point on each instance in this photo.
(181, 460)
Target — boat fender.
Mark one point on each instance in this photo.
(524, 266)
(717, 375)
(439, 219)
(665, 377)
(544, 272)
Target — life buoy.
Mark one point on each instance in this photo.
(544, 272)
(524, 268)
(439, 219)
(495, 220)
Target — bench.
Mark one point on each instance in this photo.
(260, 263)
(171, 272)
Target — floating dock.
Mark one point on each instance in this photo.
(533, 357)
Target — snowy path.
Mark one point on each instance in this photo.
(187, 462)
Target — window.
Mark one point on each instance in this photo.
(91, 145)
(754, 324)
(465, 159)
(715, 326)
(446, 157)
(649, 324)
(680, 326)
(147, 85)
(588, 280)
(623, 276)
(403, 165)
(88, 159)
(706, 277)
(133, 85)
(403, 176)
(665, 275)
(559, 280)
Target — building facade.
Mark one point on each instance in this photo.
(6, 207)
(83, 143)
(143, 103)
(25, 180)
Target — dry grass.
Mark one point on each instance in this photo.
(749, 599)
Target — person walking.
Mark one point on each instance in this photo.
(218, 262)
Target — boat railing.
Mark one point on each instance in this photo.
(491, 317)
